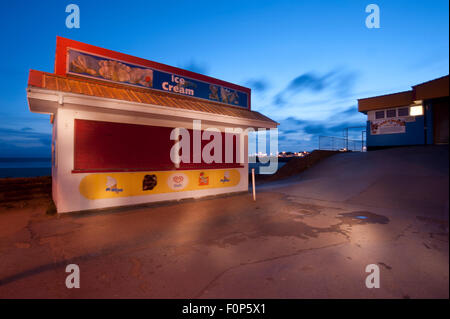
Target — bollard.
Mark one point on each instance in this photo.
(253, 184)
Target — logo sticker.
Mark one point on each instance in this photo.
(149, 182)
(178, 181)
(203, 179)
(226, 177)
(111, 185)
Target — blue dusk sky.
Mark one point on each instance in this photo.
(307, 62)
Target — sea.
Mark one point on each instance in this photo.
(25, 167)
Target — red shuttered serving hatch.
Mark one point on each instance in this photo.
(116, 147)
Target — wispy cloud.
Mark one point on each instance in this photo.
(195, 66)
(339, 82)
(308, 81)
(258, 85)
(350, 111)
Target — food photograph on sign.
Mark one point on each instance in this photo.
(388, 126)
(85, 64)
(224, 159)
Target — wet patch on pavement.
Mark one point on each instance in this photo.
(306, 210)
(362, 218)
(277, 229)
(233, 239)
(293, 218)
(284, 217)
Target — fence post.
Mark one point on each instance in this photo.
(346, 139)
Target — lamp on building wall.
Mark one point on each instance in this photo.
(416, 110)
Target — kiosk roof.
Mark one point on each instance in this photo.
(92, 87)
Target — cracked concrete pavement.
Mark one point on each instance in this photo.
(307, 237)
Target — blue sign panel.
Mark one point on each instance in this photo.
(86, 64)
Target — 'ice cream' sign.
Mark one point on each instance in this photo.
(108, 69)
(177, 85)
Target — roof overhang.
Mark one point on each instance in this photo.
(433, 89)
(384, 101)
(48, 101)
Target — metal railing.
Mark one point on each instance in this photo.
(332, 143)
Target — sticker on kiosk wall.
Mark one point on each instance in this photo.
(203, 179)
(177, 181)
(112, 185)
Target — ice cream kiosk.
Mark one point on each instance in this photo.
(129, 131)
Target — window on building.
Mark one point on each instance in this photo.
(416, 110)
(391, 113)
(379, 115)
(404, 111)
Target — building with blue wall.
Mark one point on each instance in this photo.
(415, 117)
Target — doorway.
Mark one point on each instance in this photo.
(440, 120)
